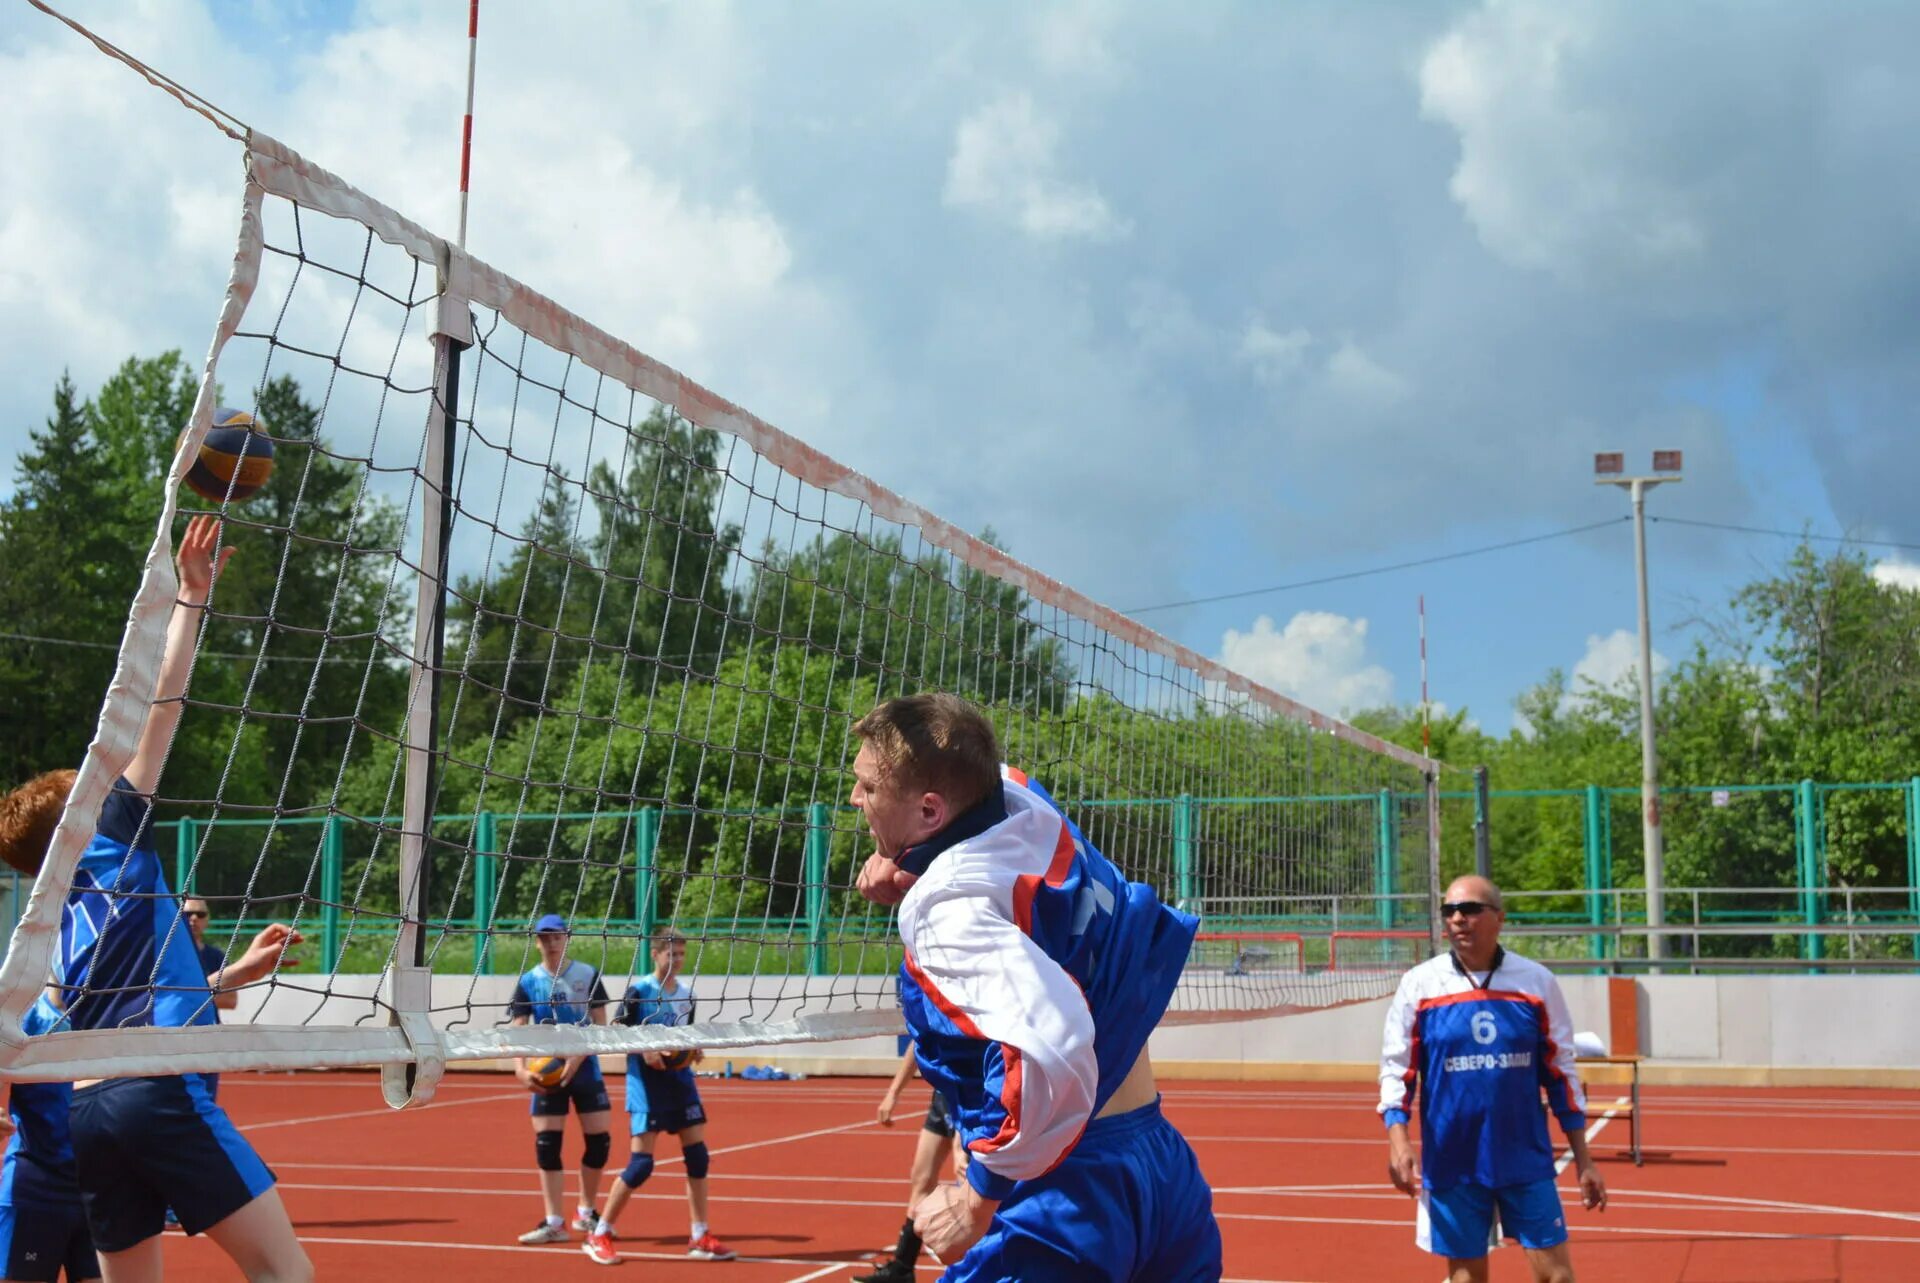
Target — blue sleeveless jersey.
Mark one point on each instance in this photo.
(38, 1168)
(652, 1090)
(126, 956)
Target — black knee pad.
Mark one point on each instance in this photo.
(696, 1156)
(639, 1167)
(599, 1145)
(546, 1150)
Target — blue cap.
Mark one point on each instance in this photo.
(552, 922)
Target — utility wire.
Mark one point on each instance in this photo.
(1382, 570)
(1787, 534)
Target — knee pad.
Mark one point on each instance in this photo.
(639, 1167)
(546, 1150)
(599, 1145)
(696, 1156)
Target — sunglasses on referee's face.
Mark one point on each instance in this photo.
(1465, 908)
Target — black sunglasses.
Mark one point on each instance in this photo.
(1466, 908)
(193, 913)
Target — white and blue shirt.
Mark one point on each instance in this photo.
(1482, 1047)
(649, 1090)
(38, 1170)
(569, 998)
(127, 958)
(1034, 974)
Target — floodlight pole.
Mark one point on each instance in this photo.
(1654, 844)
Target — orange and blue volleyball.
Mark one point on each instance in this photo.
(234, 461)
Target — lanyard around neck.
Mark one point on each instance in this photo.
(1499, 956)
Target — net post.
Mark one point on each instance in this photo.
(1183, 851)
(185, 838)
(646, 871)
(412, 981)
(819, 843)
(333, 844)
(1433, 860)
(485, 874)
(1383, 861)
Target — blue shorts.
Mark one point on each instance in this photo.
(143, 1145)
(36, 1243)
(937, 1120)
(1458, 1222)
(1129, 1203)
(587, 1093)
(690, 1114)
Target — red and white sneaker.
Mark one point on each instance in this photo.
(599, 1249)
(709, 1248)
(585, 1221)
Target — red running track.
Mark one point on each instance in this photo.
(1740, 1186)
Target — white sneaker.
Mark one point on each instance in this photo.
(545, 1233)
(585, 1221)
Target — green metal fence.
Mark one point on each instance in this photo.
(1584, 839)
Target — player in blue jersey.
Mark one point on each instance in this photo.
(43, 1227)
(1483, 1031)
(661, 1099)
(142, 1145)
(1034, 973)
(562, 991)
(937, 1139)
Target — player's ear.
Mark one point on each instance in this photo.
(934, 812)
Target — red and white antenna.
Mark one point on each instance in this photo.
(1426, 714)
(466, 128)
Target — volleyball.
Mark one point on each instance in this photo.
(234, 461)
(677, 1059)
(547, 1071)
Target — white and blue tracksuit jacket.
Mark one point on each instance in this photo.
(1482, 1048)
(1034, 973)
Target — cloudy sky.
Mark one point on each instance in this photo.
(1183, 300)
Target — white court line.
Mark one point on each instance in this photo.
(781, 1140)
(818, 1274)
(373, 1113)
(1777, 1150)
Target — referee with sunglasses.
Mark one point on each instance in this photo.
(1483, 1032)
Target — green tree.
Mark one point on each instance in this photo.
(70, 574)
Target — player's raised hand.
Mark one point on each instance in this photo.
(194, 560)
(883, 881)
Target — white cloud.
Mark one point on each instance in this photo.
(1003, 165)
(1896, 573)
(1547, 178)
(1274, 356)
(1358, 376)
(1319, 658)
(1612, 663)
(1074, 38)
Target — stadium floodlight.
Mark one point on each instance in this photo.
(1608, 470)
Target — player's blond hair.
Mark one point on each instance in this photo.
(28, 817)
(934, 743)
